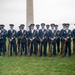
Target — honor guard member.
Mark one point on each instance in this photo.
(5, 31)
(53, 38)
(43, 41)
(61, 33)
(12, 40)
(57, 38)
(28, 36)
(37, 36)
(48, 34)
(32, 40)
(19, 40)
(23, 39)
(2, 40)
(73, 36)
(68, 40)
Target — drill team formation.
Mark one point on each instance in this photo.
(45, 40)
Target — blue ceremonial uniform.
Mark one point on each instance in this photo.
(53, 35)
(48, 38)
(43, 36)
(58, 40)
(12, 37)
(62, 42)
(32, 35)
(18, 37)
(48, 35)
(37, 38)
(73, 36)
(22, 38)
(28, 38)
(66, 34)
(5, 31)
(2, 41)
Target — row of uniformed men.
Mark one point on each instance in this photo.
(32, 41)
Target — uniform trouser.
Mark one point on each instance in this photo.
(18, 46)
(48, 43)
(2, 48)
(28, 46)
(24, 48)
(68, 47)
(61, 46)
(37, 43)
(58, 44)
(33, 43)
(54, 47)
(5, 46)
(13, 45)
(74, 46)
(44, 43)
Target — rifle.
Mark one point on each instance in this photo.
(42, 38)
(19, 48)
(33, 37)
(73, 46)
(64, 45)
(29, 49)
(50, 47)
(9, 45)
(63, 50)
(50, 50)
(39, 49)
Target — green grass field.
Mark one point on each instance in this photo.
(34, 65)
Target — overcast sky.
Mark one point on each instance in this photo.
(12, 11)
(47, 11)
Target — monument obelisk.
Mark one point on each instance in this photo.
(29, 13)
